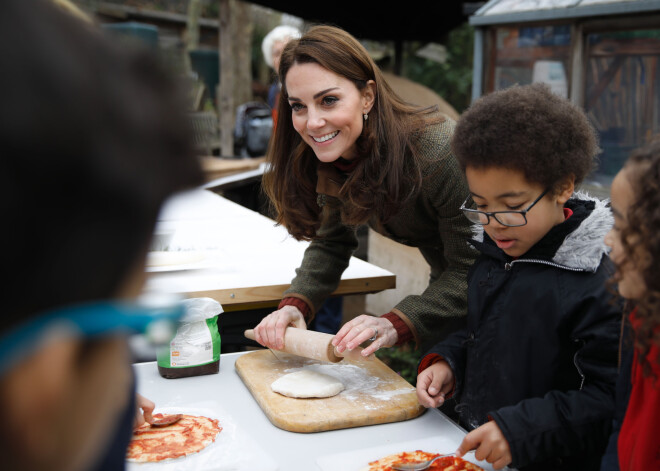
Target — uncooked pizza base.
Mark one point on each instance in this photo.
(307, 383)
(189, 435)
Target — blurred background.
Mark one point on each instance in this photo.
(601, 54)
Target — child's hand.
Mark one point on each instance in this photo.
(143, 410)
(434, 383)
(489, 443)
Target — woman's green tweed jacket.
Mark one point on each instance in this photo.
(431, 221)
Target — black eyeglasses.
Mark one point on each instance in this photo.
(506, 218)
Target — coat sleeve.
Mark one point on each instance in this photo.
(439, 309)
(325, 259)
(573, 422)
(453, 350)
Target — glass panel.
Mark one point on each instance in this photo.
(532, 54)
(622, 94)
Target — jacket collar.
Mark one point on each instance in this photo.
(329, 179)
(577, 243)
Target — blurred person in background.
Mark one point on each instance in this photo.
(272, 47)
(94, 139)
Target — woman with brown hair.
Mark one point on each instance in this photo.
(347, 151)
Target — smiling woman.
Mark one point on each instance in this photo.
(348, 151)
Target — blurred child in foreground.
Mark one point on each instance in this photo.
(635, 243)
(94, 139)
(534, 371)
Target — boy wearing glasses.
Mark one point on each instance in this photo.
(533, 372)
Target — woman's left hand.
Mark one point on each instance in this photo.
(364, 328)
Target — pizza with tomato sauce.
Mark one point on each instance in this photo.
(448, 463)
(189, 435)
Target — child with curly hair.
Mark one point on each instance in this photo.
(635, 244)
(534, 371)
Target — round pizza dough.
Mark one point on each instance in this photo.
(189, 435)
(307, 383)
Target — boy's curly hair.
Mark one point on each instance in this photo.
(641, 242)
(527, 128)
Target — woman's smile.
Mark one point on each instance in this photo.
(326, 137)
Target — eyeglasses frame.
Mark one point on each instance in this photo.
(493, 214)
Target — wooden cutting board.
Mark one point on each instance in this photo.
(373, 394)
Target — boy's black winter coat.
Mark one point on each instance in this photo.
(539, 354)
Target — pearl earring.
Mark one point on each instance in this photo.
(366, 116)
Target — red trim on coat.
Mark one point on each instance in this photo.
(296, 302)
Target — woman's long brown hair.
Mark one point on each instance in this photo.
(641, 242)
(388, 173)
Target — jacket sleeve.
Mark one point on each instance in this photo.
(325, 259)
(573, 422)
(453, 350)
(439, 309)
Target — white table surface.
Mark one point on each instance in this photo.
(247, 258)
(277, 449)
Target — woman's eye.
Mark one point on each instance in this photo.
(514, 208)
(296, 106)
(329, 100)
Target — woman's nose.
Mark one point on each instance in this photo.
(315, 120)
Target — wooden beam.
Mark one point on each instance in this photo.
(225, 96)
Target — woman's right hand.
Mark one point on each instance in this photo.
(270, 331)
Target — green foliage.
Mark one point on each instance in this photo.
(401, 359)
(453, 79)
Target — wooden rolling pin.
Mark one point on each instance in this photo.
(309, 344)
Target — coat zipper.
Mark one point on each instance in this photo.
(509, 265)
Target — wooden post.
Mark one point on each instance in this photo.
(192, 26)
(226, 106)
(243, 28)
(576, 75)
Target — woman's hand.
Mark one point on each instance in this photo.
(270, 331)
(489, 444)
(143, 410)
(364, 328)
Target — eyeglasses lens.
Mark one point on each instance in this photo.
(504, 218)
(511, 219)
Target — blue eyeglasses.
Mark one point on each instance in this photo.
(156, 317)
(506, 218)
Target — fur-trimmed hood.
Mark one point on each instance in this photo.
(578, 243)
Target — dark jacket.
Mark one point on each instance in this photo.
(610, 461)
(539, 354)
